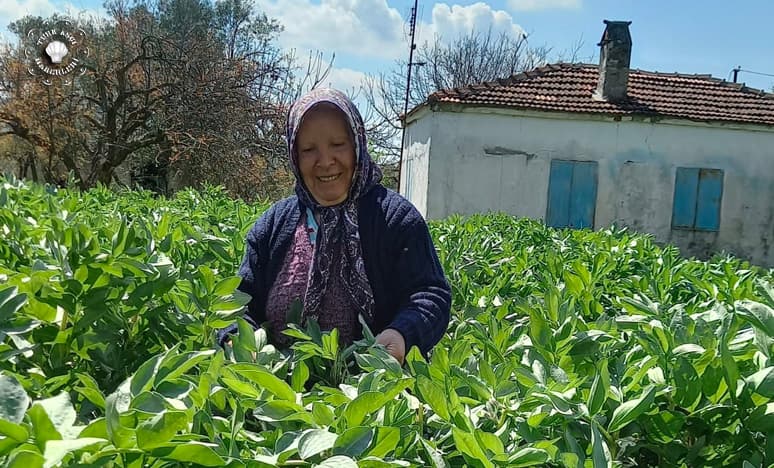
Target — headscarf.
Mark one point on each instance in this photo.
(338, 236)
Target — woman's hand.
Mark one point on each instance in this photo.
(393, 341)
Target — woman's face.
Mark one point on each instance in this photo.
(326, 155)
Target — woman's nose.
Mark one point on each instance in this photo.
(326, 158)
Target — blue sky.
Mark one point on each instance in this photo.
(693, 36)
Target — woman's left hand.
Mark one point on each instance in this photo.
(393, 341)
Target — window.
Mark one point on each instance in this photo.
(698, 193)
(572, 194)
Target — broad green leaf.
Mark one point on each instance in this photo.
(664, 426)
(315, 441)
(433, 395)
(570, 460)
(540, 330)
(142, 380)
(15, 431)
(489, 442)
(385, 442)
(322, 413)
(174, 366)
(57, 450)
(687, 383)
(160, 429)
(365, 404)
(52, 418)
(227, 286)
(688, 349)
(474, 382)
(730, 368)
(13, 399)
(631, 410)
(599, 389)
(600, 453)
(115, 404)
(435, 456)
(191, 452)
(577, 451)
(97, 428)
(338, 461)
(528, 456)
(369, 402)
(25, 459)
(242, 388)
(10, 302)
(467, 444)
(280, 410)
(762, 382)
(354, 441)
(758, 314)
(300, 376)
(762, 419)
(244, 342)
(265, 379)
(119, 239)
(91, 390)
(375, 462)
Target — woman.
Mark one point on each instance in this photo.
(343, 245)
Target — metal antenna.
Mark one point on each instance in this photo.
(412, 24)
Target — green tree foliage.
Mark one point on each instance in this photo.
(196, 90)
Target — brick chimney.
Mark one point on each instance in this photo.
(614, 57)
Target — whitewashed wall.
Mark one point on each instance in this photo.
(489, 160)
(416, 157)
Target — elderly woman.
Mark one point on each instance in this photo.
(344, 245)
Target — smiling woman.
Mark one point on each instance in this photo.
(343, 246)
(326, 154)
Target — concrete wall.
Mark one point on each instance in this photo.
(416, 158)
(484, 160)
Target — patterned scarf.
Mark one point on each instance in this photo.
(338, 236)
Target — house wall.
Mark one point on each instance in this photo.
(485, 161)
(416, 159)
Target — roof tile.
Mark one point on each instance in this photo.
(567, 87)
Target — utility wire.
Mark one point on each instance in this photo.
(756, 73)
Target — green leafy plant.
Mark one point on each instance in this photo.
(565, 348)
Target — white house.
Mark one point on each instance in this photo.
(688, 158)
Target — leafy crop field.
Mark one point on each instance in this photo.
(566, 348)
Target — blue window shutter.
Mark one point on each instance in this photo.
(559, 186)
(583, 196)
(686, 190)
(709, 195)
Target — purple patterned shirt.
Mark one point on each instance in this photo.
(291, 283)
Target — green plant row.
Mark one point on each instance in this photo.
(565, 348)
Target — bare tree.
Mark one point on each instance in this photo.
(173, 86)
(473, 58)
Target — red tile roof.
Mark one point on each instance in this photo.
(567, 87)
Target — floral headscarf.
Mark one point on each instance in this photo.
(338, 235)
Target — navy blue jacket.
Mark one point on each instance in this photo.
(411, 293)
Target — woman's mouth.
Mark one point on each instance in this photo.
(330, 178)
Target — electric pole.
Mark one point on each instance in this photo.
(412, 46)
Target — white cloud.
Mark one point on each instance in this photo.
(345, 79)
(85, 13)
(451, 22)
(12, 10)
(533, 5)
(368, 28)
